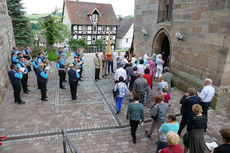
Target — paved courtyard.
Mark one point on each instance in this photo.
(90, 121)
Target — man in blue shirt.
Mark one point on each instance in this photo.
(73, 79)
(42, 80)
(26, 53)
(59, 52)
(14, 58)
(80, 62)
(63, 60)
(77, 52)
(41, 58)
(35, 66)
(15, 79)
(22, 65)
(15, 50)
(61, 71)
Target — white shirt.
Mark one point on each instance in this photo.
(119, 58)
(159, 63)
(133, 60)
(207, 93)
(125, 61)
(120, 72)
(140, 68)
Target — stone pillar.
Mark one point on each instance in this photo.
(6, 44)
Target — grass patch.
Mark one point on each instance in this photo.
(120, 50)
(52, 55)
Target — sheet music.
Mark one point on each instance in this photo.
(210, 145)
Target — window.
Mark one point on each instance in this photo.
(89, 28)
(75, 28)
(79, 27)
(84, 29)
(108, 28)
(99, 27)
(165, 11)
(127, 41)
(98, 37)
(75, 36)
(94, 19)
(79, 37)
(89, 38)
(94, 29)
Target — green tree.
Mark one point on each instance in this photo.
(100, 44)
(22, 30)
(81, 43)
(54, 30)
(75, 44)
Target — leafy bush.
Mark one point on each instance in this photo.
(52, 55)
(100, 43)
(74, 44)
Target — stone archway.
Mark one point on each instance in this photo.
(161, 45)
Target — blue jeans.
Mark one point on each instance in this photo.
(161, 145)
(119, 102)
(147, 93)
(110, 64)
(118, 65)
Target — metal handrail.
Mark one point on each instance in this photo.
(66, 139)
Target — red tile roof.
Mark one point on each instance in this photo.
(78, 13)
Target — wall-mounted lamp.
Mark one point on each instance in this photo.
(144, 32)
(179, 36)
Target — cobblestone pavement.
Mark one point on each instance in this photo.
(90, 121)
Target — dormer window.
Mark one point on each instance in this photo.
(94, 16)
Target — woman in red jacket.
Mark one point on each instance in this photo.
(173, 144)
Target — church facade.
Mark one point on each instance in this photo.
(194, 35)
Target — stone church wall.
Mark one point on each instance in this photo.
(6, 44)
(205, 50)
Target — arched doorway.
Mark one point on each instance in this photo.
(161, 45)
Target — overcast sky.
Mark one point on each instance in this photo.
(121, 7)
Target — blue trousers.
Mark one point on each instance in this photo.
(118, 65)
(119, 102)
(161, 145)
(110, 64)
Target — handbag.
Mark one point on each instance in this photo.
(170, 149)
(155, 117)
(116, 92)
(186, 139)
(172, 83)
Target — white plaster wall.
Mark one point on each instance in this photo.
(121, 43)
(66, 19)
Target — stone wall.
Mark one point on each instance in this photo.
(205, 50)
(6, 44)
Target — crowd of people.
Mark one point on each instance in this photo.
(23, 63)
(135, 77)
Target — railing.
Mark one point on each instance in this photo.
(66, 140)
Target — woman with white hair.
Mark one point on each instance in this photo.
(160, 64)
(146, 59)
(173, 144)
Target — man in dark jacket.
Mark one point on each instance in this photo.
(73, 81)
(15, 79)
(187, 101)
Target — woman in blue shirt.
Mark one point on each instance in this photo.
(171, 125)
(122, 91)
